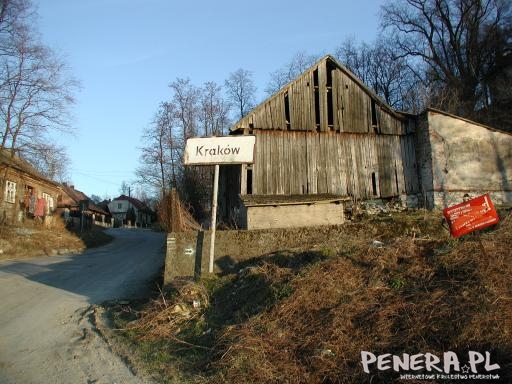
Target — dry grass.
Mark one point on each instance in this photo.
(35, 239)
(306, 317)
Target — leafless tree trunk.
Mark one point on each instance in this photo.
(458, 40)
(241, 90)
(214, 110)
(288, 72)
(35, 89)
(379, 66)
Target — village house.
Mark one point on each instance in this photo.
(127, 210)
(74, 203)
(27, 194)
(326, 138)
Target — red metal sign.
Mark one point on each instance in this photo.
(471, 215)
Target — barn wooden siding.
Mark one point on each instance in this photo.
(326, 132)
(326, 98)
(363, 166)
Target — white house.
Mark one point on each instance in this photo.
(126, 210)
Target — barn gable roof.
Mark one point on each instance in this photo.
(321, 98)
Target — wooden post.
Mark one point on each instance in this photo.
(214, 216)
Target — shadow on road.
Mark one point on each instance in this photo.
(124, 268)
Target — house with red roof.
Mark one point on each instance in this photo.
(127, 210)
(76, 203)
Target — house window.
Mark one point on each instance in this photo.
(10, 191)
(119, 205)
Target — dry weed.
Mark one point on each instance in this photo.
(165, 316)
(413, 295)
(398, 284)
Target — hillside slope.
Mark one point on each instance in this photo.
(397, 284)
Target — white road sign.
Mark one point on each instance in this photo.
(219, 150)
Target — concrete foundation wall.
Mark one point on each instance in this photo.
(288, 216)
(446, 199)
(188, 252)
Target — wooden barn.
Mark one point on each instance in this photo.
(321, 140)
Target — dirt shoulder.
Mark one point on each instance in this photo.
(31, 240)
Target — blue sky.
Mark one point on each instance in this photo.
(126, 52)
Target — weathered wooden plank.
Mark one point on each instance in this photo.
(300, 156)
(342, 166)
(286, 169)
(311, 103)
(282, 161)
(341, 100)
(264, 163)
(335, 104)
(333, 168)
(409, 164)
(322, 93)
(293, 96)
(322, 140)
(386, 166)
(312, 171)
(354, 165)
(300, 103)
(257, 169)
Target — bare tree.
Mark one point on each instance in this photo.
(125, 188)
(381, 68)
(241, 91)
(186, 98)
(191, 111)
(160, 156)
(36, 90)
(214, 110)
(288, 72)
(460, 42)
(49, 158)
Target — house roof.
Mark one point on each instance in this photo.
(135, 202)
(23, 166)
(332, 61)
(71, 198)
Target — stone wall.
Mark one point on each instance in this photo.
(465, 158)
(188, 252)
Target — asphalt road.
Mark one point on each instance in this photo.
(46, 335)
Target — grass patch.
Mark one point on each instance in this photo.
(35, 239)
(31, 239)
(305, 317)
(95, 237)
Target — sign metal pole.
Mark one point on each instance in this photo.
(214, 217)
(218, 150)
